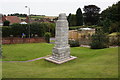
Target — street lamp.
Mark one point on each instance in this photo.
(28, 18)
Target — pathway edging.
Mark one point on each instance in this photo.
(28, 60)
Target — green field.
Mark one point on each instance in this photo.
(99, 63)
(33, 17)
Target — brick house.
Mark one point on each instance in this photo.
(1, 22)
(12, 19)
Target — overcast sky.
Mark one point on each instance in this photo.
(50, 7)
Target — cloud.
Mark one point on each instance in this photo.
(50, 7)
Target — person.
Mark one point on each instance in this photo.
(23, 35)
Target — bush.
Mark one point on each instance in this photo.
(6, 23)
(6, 31)
(74, 43)
(99, 40)
(47, 37)
(114, 40)
(114, 27)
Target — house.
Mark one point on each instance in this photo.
(45, 19)
(1, 22)
(23, 22)
(12, 19)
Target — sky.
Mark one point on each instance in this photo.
(50, 7)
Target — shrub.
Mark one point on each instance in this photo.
(99, 40)
(6, 23)
(114, 40)
(6, 31)
(74, 43)
(47, 37)
(115, 27)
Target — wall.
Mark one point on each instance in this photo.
(83, 36)
(15, 40)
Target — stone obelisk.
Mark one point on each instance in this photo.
(61, 51)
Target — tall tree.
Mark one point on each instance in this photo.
(72, 19)
(112, 14)
(79, 17)
(91, 14)
(68, 18)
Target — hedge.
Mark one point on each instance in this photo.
(38, 29)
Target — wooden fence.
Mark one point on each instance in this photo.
(15, 40)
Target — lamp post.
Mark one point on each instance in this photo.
(28, 18)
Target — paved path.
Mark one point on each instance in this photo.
(89, 46)
(27, 60)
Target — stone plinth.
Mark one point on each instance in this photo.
(61, 51)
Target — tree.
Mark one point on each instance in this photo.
(72, 20)
(6, 23)
(106, 25)
(112, 13)
(99, 40)
(114, 27)
(68, 18)
(18, 15)
(110, 18)
(91, 14)
(79, 17)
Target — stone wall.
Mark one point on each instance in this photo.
(84, 36)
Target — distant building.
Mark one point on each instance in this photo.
(23, 22)
(83, 35)
(45, 19)
(1, 22)
(12, 19)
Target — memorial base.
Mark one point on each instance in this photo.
(60, 61)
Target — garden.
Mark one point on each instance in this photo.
(26, 60)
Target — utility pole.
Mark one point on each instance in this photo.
(28, 19)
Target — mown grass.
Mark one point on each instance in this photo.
(99, 63)
(23, 52)
(0, 69)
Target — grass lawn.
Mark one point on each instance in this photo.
(99, 63)
(0, 69)
(23, 52)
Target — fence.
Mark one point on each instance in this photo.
(15, 40)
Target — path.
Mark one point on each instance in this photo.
(27, 60)
(89, 46)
